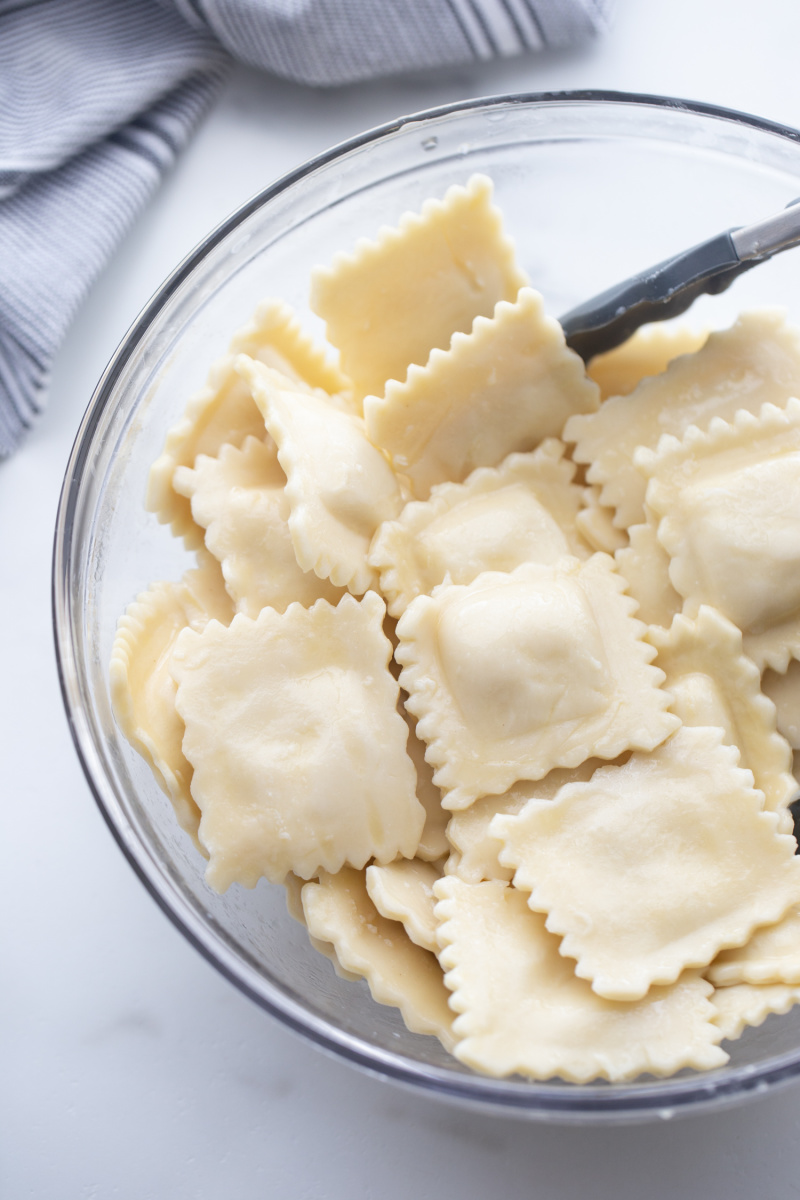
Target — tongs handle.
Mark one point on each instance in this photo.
(668, 288)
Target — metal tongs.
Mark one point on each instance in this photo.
(668, 288)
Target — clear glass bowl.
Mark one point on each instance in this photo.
(593, 187)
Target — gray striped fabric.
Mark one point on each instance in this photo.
(98, 96)
(341, 41)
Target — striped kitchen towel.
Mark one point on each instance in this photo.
(98, 96)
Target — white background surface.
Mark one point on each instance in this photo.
(128, 1067)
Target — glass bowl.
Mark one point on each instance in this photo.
(594, 186)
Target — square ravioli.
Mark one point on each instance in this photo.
(713, 683)
(648, 351)
(293, 887)
(339, 909)
(239, 499)
(783, 689)
(728, 506)
(224, 412)
(772, 955)
(142, 689)
(392, 301)
(523, 1010)
(299, 753)
(504, 387)
(403, 891)
(276, 338)
(596, 523)
(518, 673)
(754, 362)
(750, 1004)
(433, 843)
(644, 563)
(654, 866)
(475, 850)
(339, 487)
(522, 511)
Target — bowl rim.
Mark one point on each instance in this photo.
(543, 1100)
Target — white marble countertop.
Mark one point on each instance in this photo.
(129, 1067)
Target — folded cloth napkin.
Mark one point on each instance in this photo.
(98, 96)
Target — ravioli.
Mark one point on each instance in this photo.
(521, 672)
(784, 692)
(142, 689)
(294, 885)
(596, 523)
(772, 955)
(504, 387)
(648, 351)
(394, 300)
(223, 411)
(403, 891)
(755, 362)
(475, 849)
(433, 843)
(298, 751)
(749, 1004)
(728, 505)
(652, 867)
(400, 973)
(523, 1010)
(239, 499)
(525, 510)
(713, 683)
(338, 486)
(644, 564)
